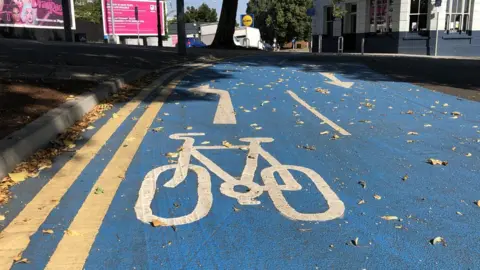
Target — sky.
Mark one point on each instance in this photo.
(217, 4)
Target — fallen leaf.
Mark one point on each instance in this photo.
(18, 177)
(235, 209)
(390, 217)
(409, 112)
(412, 133)
(304, 230)
(478, 203)
(309, 147)
(90, 127)
(437, 102)
(157, 129)
(254, 125)
(21, 260)
(411, 141)
(454, 148)
(258, 128)
(365, 121)
(2, 217)
(459, 213)
(47, 231)
(361, 202)
(456, 114)
(363, 184)
(427, 125)
(355, 241)
(335, 137)
(468, 154)
(324, 132)
(445, 104)
(69, 144)
(322, 91)
(189, 128)
(377, 197)
(72, 233)
(264, 102)
(437, 162)
(405, 177)
(172, 155)
(98, 190)
(247, 111)
(158, 223)
(166, 114)
(114, 115)
(299, 122)
(438, 240)
(227, 144)
(398, 226)
(205, 142)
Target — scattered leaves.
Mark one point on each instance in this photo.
(411, 141)
(157, 129)
(235, 209)
(456, 114)
(409, 112)
(324, 132)
(114, 115)
(437, 162)
(299, 122)
(264, 102)
(189, 128)
(361, 202)
(468, 154)
(377, 197)
(365, 121)
(69, 144)
(72, 233)
(389, 218)
(405, 177)
(427, 125)
(172, 155)
(98, 190)
(412, 133)
(438, 240)
(205, 142)
(227, 144)
(47, 231)
(322, 91)
(90, 127)
(362, 183)
(18, 177)
(20, 260)
(454, 148)
(335, 137)
(355, 241)
(478, 203)
(158, 223)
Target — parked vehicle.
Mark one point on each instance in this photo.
(194, 43)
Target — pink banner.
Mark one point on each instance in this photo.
(32, 13)
(124, 17)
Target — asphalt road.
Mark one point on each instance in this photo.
(263, 162)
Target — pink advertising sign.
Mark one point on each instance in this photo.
(33, 13)
(124, 17)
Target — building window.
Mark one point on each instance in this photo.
(458, 15)
(381, 16)
(418, 15)
(328, 25)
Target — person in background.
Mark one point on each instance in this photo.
(293, 42)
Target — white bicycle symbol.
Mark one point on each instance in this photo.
(254, 190)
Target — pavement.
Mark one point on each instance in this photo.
(260, 162)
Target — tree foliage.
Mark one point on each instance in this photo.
(201, 14)
(283, 19)
(91, 12)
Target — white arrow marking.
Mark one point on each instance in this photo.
(225, 114)
(335, 81)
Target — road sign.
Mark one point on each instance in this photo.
(247, 20)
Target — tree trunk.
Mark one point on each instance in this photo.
(226, 25)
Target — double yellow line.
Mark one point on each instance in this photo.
(73, 249)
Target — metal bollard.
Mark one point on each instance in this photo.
(319, 43)
(363, 46)
(247, 42)
(340, 44)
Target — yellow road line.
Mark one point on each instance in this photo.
(73, 250)
(319, 115)
(15, 238)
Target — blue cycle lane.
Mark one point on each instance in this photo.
(393, 202)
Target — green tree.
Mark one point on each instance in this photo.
(203, 14)
(91, 12)
(283, 19)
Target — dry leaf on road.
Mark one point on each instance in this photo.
(478, 203)
(2, 217)
(355, 241)
(172, 155)
(158, 223)
(227, 144)
(72, 233)
(361, 202)
(322, 91)
(18, 177)
(363, 184)
(437, 162)
(114, 115)
(335, 137)
(205, 142)
(324, 132)
(157, 129)
(468, 154)
(412, 133)
(405, 177)
(90, 127)
(47, 231)
(390, 217)
(189, 128)
(377, 197)
(456, 114)
(438, 240)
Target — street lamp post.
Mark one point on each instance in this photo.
(159, 25)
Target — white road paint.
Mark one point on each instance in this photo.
(225, 114)
(335, 81)
(319, 115)
(205, 199)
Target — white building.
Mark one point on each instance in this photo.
(400, 26)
